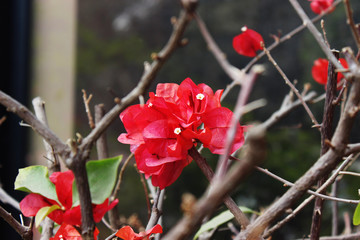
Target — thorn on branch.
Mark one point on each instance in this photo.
(328, 143)
(189, 5)
(155, 57)
(184, 42)
(173, 20)
(2, 120)
(117, 100)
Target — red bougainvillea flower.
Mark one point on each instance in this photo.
(63, 211)
(248, 42)
(319, 6)
(319, 70)
(68, 232)
(127, 233)
(173, 120)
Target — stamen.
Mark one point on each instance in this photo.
(177, 131)
(244, 29)
(150, 105)
(200, 96)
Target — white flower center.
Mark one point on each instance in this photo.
(177, 131)
(150, 105)
(244, 29)
(200, 96)
(61, 237)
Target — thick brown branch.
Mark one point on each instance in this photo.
(326, 134)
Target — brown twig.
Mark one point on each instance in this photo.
(293, 88)
(25, 232)
(122, 170)
(323, 166)
(352, 236)
(2, 120)
(147, 77)
(87, 100)
(53, 163)
(228, 201)
(326, 131)
(309, 199)
(351, 23)
(14, 106)
(142, 179)
(249, 81)
(219, 189)
(317, 35)
(7, 199)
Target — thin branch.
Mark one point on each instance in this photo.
(53, 163)
(147, 77)
(286, 108)
(101, 143)
(2, 120)
(349, 173)
(293, 88)
(228, 201)
(317, 35)
(14, 106)
(351, 23)
(122, 170)
(156, 211)
(249, 81)
(7, 199)
(309, 199)
(353, 236)
(219, 189)
(324, 165)
(25, 232)
(87, 100)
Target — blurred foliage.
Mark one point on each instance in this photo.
(110, 62)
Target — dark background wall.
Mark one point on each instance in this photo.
(15, 20)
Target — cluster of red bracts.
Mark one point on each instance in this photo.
(172, 121)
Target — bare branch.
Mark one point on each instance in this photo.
(322, 167)
(293, 88)
(87, 100)
(24, 113)
(25, 232)
(351, 23)
(219, 189)
(6, 198)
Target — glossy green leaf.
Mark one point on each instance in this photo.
(356, 217)
(102, 175)
(35, 179)
(43, 212)
(220, 219)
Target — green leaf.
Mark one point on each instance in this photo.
(220, 219)
(35, 179)
(356, 217)
(102, 176)
(43, 212)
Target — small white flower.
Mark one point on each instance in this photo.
(177, 131)
(200, 96)
(244, 29)
(150, 105)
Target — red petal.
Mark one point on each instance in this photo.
(248, 42)
(319, 6)
(126, 233)
(73, 216)
(63, 184)
(67, 232)
(99, 210)
(169, 173)
(168, 91)
(217, 117)
(32, 203)
(319, 70)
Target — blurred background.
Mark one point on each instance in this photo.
(55, 48)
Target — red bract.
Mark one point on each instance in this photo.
(173, 120)
(319, 6)
(248, 42)
(66, 213)
(127, 233)
(68, 232)
(319, 70)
